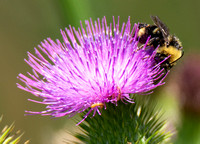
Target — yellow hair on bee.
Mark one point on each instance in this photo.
(141, 32)
(155, 30)
(171, 50)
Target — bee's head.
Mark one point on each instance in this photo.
(173, 41)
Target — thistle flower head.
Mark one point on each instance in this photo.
(188, 82)
(93, 66)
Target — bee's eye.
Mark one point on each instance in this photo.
(167, 43)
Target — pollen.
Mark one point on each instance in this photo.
(97, 105)
(120, 93)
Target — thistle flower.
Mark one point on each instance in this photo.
(92, 67)
(189, 88)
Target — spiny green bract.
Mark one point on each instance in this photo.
(137, 123)
(7, 137)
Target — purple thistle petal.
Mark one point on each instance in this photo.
(93, 66)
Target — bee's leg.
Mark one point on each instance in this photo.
(141, 47)
(150, 42)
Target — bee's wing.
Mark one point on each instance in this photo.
(161, 26)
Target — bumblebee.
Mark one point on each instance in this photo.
(169, 46)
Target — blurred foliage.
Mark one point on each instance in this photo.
(24, 24)
(188, 130)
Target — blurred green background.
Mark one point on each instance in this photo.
(24, 24)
